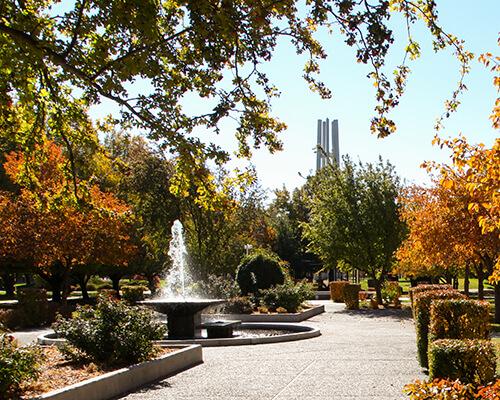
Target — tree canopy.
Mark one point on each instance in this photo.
(54, 234)
(59, 59)
(354, 220)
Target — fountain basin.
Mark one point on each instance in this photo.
(281, 333)
(183, 316)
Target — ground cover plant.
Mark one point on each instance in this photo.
(448, 389)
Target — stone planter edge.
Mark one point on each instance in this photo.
(115, 383)
(292, 317)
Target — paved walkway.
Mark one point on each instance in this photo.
(360, 355)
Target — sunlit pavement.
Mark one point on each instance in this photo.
(360, 355)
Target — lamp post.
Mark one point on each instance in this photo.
(247, 248)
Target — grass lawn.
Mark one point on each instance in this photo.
(496, 342)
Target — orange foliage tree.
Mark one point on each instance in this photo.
(444, 236)
(58, 233)
(477, 167)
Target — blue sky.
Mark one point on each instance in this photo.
(432, 80)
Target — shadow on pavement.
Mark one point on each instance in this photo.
(403, 314)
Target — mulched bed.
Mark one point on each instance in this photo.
(57, 372)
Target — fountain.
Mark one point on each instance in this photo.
(183, 314)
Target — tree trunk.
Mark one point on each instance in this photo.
(152, 284)
(497, 303)
(55, 286)
(115, 281)
(466, 280)
(378, 291)
(9, 280)
(480, 283)
(82, 282)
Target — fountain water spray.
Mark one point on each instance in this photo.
(177, 278)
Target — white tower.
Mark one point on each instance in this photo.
(327, 150)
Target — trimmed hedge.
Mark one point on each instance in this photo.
(425, 288)
(470, 360)
(133, 294)
(336, 288)
(351, 296)
(459, 319)
(421, 313)
(259, 270)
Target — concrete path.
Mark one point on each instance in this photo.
(360, 355)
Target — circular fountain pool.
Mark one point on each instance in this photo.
(256, 333)
(247, 334)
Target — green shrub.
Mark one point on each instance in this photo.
(17, 365)
(289, 296)
(105, 286)
(111, 333)
(421, 313)
(136, 282)
(469, 360)
(239, 305)
(425, 288)
(133, 294)
(459, 319)
(391, 291)
(336, 288)
(218, 287)
(33, 307)
(259, 270)
(351, 296)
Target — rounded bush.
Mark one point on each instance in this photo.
(288, 296)
(238, 305)
(17, 365)
(259, 270)
(112, 333)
